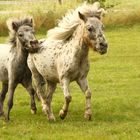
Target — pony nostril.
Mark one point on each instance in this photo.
(105, 45)
(31, 42)
(34, 42)
(101, 44)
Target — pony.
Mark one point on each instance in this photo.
(13, 61)
(63, 57)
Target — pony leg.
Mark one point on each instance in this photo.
(85, 88)
(11, 88)
(50, 90)
(39, 85)
(31, 91)
(2, 96)
(64, 110)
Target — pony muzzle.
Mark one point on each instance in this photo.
(33, 42)
(103, 48)
(33, 46)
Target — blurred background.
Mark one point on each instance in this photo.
(47, 12)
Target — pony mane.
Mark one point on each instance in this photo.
(18, 22)
(68, 24)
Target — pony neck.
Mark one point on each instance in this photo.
(20, 51)
(79, 40)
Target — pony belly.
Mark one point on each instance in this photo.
(3, 70)
(52, 78)
(3, 77)
(49, 74)
(3, 73)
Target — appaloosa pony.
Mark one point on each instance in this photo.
(13, 61)
(63, 57)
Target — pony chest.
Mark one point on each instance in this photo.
(17, 65)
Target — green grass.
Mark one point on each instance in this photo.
(115, 83)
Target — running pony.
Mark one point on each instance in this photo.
(13, 61)
(63, 57)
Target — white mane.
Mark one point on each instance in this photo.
(71, 20)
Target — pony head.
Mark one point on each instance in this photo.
(88, 18)
(22, 31)
(94, 34)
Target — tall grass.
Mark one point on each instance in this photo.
(126, 12)
(47, 13)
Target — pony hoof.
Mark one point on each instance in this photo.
(7, 119)
(62, 114)
(51, 118)
(87, 116)
(33, 111)
(45, 112)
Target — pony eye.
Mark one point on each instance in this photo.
(20, 35)
(90, 29)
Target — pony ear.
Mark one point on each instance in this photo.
(28, 21)
(14, 26)
(32, 22)
(82, 17)
(100, 13)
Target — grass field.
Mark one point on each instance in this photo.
(115, 83)
(113, 78)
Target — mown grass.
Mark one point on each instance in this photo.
(114, 80)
